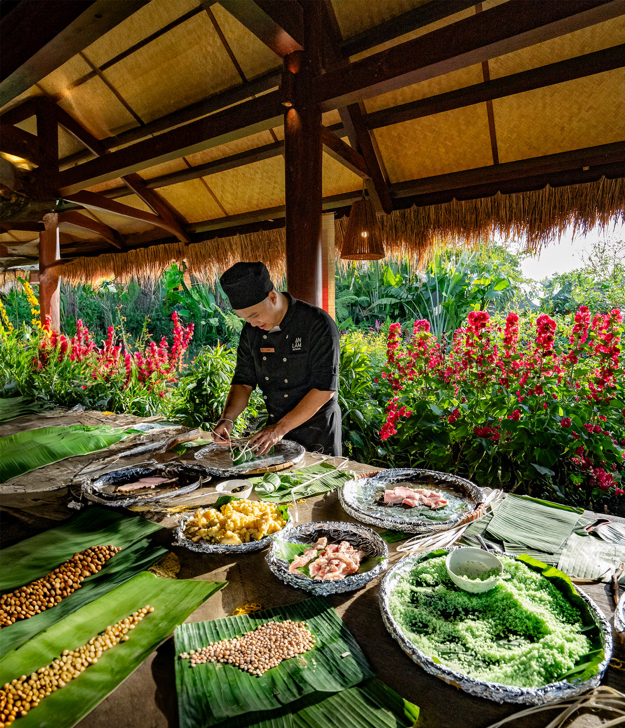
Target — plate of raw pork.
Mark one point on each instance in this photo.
(412, 500)
(328, 557)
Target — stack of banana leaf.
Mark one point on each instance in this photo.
(37, 556)
(330, 686)
(173, 601)
(13, 407)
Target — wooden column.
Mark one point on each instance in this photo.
(302, 157)
(328, 255)
(49, 283)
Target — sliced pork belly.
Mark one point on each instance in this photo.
(413, 497)
(308, 555)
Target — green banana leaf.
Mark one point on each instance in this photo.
(372, 704)
(14, 407)
(288, 551)
(31, 449)
(35, 557)
(292, 479)
(173, 600)
(123, 566)
(210, 693)
(394, 536)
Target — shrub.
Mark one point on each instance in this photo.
(542, 416)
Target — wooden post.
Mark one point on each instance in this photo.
(49, 283)
(303, 158)
(328, 255)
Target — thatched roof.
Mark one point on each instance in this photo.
(523, 143)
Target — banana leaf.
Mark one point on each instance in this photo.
(14, 407)
(35, 557)
(371, 704)
(332, 480)
(210, 693)
(173, 600)
(123, 566)
(31, 449)
(288, 551)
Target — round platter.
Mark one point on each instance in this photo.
(217, 461)
(204, 547)
(358, 536)
(103, 488)
(361, 499)
(492, 691)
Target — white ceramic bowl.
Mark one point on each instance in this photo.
(471, 562)
(228, 486)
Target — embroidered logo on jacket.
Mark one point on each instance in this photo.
(297, 346)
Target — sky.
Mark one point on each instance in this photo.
(565, 255)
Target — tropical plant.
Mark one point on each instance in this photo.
(532, 416)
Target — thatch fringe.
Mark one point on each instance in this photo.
(9, 278)
(538, 218)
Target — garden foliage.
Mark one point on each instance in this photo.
(540, 415)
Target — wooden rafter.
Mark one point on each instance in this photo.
(93, 201)
(343, 153)
(158, 204)
(247, 118)
(414, 19)
(577, 159)
(73, 220)
(19, 143)
(505, 28)
(572, 68)
(278, 23)
(352, 116)
(38, 36)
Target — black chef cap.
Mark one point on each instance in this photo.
(246, 284)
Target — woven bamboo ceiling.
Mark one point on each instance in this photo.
(173, 109)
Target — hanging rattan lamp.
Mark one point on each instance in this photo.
(363, 238)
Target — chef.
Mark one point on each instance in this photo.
(290, 349)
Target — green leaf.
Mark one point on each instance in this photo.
(173, 601)
(437, 410)
(37, 556)
(210, 693)
(14, 407)
(394, 536)
(31, 449)
(332, 480)
(123, 566)
(542, 470)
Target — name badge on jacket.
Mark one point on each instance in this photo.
(268, 351)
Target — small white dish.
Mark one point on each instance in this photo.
(228, 487)
(465, 565)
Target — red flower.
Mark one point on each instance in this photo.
(565, 422)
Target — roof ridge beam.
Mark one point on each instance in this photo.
(508, 27)
(515, 83)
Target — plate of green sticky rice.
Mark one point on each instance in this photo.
(533, 638)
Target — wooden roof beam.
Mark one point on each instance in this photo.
(578, 159)
(553, 73)
(508, 27)
(19, 143)
(73, 221)
(158, 204)
(278, 23)
(38, 36)
(407, 22)
(29, 227)
(93, 201)
(343, 153)
(360, 137)
(260, 114)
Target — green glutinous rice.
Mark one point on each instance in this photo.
(523, 632)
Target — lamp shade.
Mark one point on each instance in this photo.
(363, 237)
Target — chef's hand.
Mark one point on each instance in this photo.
(264, 440)
(221, 432)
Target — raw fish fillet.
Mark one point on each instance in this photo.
(144, 484)
(308, 555)
(412, 497)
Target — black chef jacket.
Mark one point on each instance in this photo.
(287, 364)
